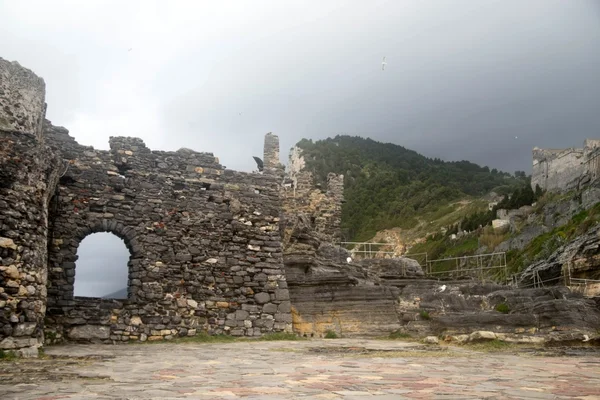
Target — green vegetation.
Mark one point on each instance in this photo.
(387, 185)
(330, 335)
(280, 336)
(503, 308)
(399, 335)
(491, 345)
(424, 314)
(8, 355)
(544, 245)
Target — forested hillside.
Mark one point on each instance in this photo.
(386, 185)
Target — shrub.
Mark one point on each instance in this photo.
(330, 335)
(7, 355)
(399, 335)
(503, 308)
(424, 314)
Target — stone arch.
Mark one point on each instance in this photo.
(95, 278)
(64, 277)
(127, 234)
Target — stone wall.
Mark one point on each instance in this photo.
(22, 94)
(566, 169)
(300, 195)
(28, 174)
(205, 243)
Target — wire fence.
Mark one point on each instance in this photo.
(490, 267)
(369, 250)
(482, 267)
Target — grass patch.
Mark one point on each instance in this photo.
(280, 336)
(490, 239)
(8, 355)
(490, 345)
(201, 337)
(399, 335)
(503, 308)
(425, 314)
(330, 335)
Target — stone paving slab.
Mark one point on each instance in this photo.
(320, 369)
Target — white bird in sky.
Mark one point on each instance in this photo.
(383, 64)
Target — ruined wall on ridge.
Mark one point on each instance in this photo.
(566, 169)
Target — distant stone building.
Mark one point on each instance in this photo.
(558, 170)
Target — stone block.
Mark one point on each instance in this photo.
(89, 332)
(285, 307)
(282, 294)
(24, 329)
(482, 336)
(262, 298)
(270, 308)
(431, 340)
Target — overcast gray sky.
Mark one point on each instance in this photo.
(483, 80)
(102, 266)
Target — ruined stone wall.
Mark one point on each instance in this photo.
(592, 159)
(566, 169)
(22, 94)
(556, 170)
(301, 195)
(205, 244)
(28, 174)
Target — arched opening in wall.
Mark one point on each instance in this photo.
(102, 269)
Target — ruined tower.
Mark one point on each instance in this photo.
(28, 177)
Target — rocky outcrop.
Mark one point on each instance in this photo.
(580, 258)
(455, 309)
(329, 293)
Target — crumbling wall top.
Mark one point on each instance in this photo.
(22, 93)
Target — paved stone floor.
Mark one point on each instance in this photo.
(320, 369)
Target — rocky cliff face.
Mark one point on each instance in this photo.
(451, 309)
(578, 259)
(330, 293)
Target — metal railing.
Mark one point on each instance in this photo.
(490, 266)
(368, 249)
(587, 287)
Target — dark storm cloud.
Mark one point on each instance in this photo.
(463, 79)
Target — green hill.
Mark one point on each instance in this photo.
(386, 185)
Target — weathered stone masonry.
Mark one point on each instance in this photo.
(566, 169)
(204, 241)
